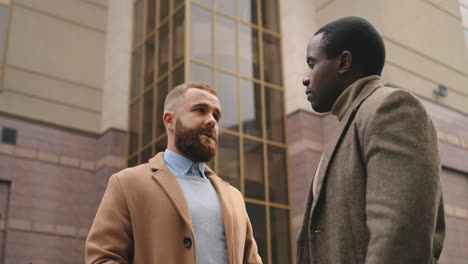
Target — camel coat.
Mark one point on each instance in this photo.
(378, 194)
(144, 219)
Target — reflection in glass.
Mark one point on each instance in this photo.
(136, 70)
(270, 15)
(178, 32)
(207, 3)
(249, 52)
(251, 108)
(272, 59)
(133, 161)
(201, 73)
(146, 155)
(277, 173)
(133, 128)
(226, 6)
(226, 43)
(274, 114)
(228, 97)
(178, 76)
(163, 9)
(253, 170)
(280, 237)
(138, 22)
(257, 215)
(201, 34)
(150, 11)
(177, 3)
(161, 145)
(163, 58)
(149, 61)
(147, 133)
(162, 89)
(248, 11)
(229, 165)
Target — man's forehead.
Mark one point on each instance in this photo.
(196, 96)
(315, 44)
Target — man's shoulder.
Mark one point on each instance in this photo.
(390, 96)
(133, 174)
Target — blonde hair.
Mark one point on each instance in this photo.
(175, 94)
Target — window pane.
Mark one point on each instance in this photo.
(272, 59)
(178, 76)
(228, 97)
(207, 3)
(270, 15)
(163, 9)
(3, 29)
(163, 62)
(147, 133)
(248, 10)
(177, 3)
(136, 70)
(277, 172)
(226, 44)
(201, 73)
(149, 62)
(251, 108)
(134, 130)
(150, 19)
(146, 155)
(178, 46)
(280, 236)
(274, 114)
(162, 90)
(133, 161)
(202, 34)
(138, 22)
(161, 145)
(257, 215)
(253, 170)
(249, 54)
(226, 6)
(229, 165)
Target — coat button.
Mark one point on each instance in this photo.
(187, 242)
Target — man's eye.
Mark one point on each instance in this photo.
(311, 65)
(199, 110)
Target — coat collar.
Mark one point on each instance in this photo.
(169, 183)
(342, 129)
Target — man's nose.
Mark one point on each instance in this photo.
(306, 81)
(210, 121)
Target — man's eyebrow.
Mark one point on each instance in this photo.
(311, 59)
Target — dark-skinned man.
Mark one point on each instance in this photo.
(375, 196)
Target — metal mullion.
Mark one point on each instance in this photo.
(176, 9)
(276, 34)
(213, 28)
(160, 137)
(5, 44)
(257, 81)
(230, 132)
(257, 27)
(204, 6)
(274, 86)
(147, 145)
(171, 36)
(156, 75)
(131, 156)
(132, 63)
(136, 47)
(240, 103)
(152, 31)
(277, 205)
(175, 66)
(276, 144)
(164, 75)
(217, 12)
(254, 138)
(164, 21)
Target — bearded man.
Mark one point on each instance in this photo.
(174, 209)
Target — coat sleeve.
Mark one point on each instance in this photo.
(251, 255)
(110, 238)
(403, 188)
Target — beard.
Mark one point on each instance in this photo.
(190, 142)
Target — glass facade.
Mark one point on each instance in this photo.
(235, 46)
(4, 26)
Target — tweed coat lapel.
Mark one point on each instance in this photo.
(335, 142)
(169, 183)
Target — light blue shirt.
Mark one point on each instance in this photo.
(205, 208)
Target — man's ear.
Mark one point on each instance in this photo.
(344, 62)
(169, 120)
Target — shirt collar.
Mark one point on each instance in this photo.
(181, 164)
(345, 100)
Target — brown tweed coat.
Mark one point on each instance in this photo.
(379, 196)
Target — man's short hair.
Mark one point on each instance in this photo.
(358, 36)
(175, 94)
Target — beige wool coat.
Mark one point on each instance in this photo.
(144, 218)
(378, 194)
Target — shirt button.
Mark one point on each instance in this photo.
(187, 242)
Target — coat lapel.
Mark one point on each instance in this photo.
(224, 195)
(335, 142)
(169, 183)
